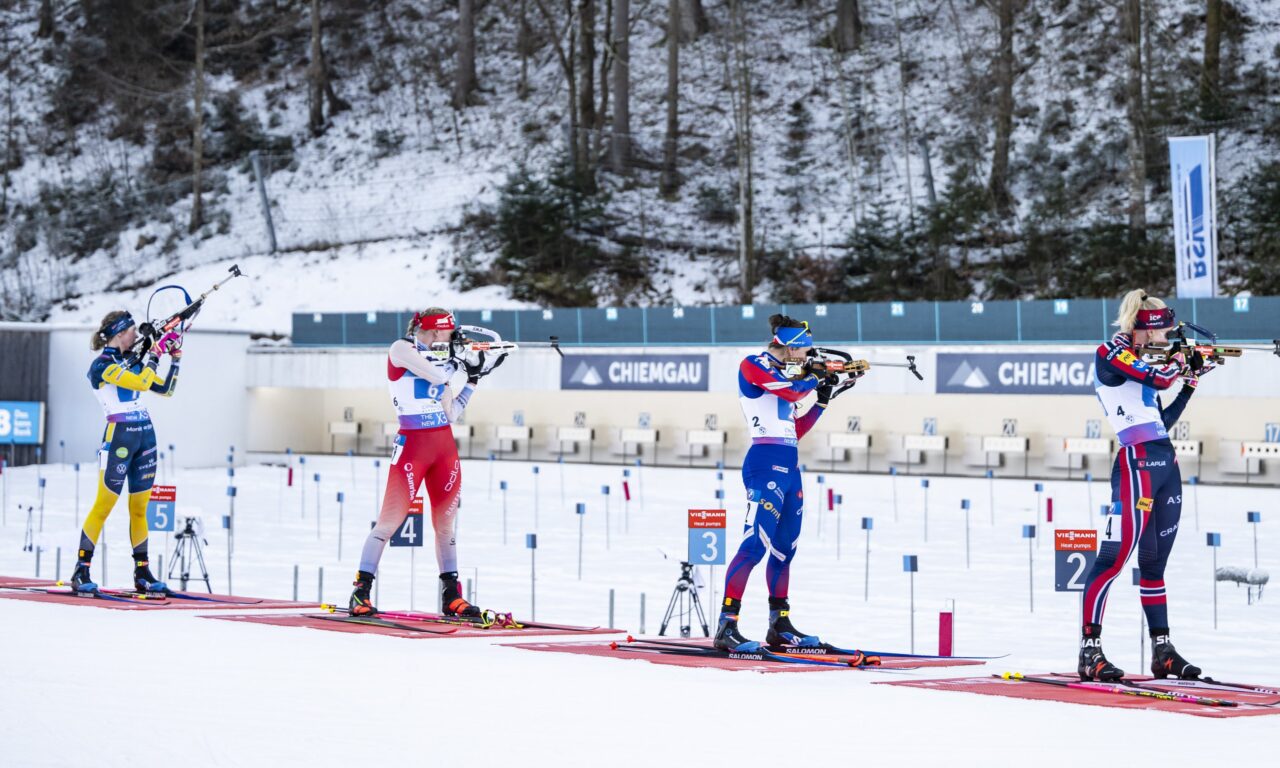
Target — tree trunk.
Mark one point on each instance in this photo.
(315, 75)
(670, 179)
(465, 79)
(1137, 208)
(693, 20)
(524, 44)
(1210, 75)
(46, 19)
(621, 86)
(1004, 66)
(902, 111)
(586, 92)
(847, 36)
(741, 85)
(606, 63)
(197, 131)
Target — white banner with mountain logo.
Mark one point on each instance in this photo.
(1034, 373)
(670, 373)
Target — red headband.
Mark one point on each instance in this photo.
(1154, 318)
(439, 322)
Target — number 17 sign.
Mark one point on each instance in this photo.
(707, 536)
(1073, 556)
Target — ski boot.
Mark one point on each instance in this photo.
(1093, 664)
(361, 604)
(728, 638)
(81, 581)
(453, 602)
(143, 580)
(782, 632)
(1165, 660)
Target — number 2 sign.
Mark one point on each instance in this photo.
(707, 536)
(1073, 555)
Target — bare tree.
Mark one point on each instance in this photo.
(693, 20)
(524, 45)
(902, 109)
(670, 179)
(567, 61)
(46, 19)
(586, 92)
(1210, 74)
(197, 128)
(847, 35)
(1004, 66)
(621, 147)
(465, 79)
(319, 79)
(738, 75)
(1131, 13)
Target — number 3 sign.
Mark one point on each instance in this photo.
(707, 536)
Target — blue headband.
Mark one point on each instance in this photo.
(121, 324)
(793, 337)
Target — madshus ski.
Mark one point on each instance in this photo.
(1123, 688)
(1209, 684)
(756, 652)
(828, 648)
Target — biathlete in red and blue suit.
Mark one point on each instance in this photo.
(770, 388)
(420, 367)
(1146, 485)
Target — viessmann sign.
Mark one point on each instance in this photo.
(673, 373)
(983, 373)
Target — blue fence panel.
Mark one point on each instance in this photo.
(832, 323)
(977, 320)
(612, 326)
(1078, 320)
(678, 325)
(744, 325)
(1253, 318)
(374, 327)
(899, 321)
(542, 324)
(317, 328)
(503, 322)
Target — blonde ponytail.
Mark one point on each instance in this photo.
(1131, 304)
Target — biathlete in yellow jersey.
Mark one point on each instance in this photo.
(129, 444)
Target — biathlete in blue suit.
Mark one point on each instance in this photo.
(770, 388)
(1146, 485)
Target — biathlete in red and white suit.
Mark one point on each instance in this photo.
(425, 456)
(1146, 485)
(770, 388)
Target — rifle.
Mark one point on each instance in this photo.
(825, 361)
(1211, 352)
(461, 343)
(150, 331)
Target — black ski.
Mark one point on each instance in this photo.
(755, 654)
(376, 622)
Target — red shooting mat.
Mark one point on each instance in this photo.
(637, 652)
(325, 621)
(15, 592)
(1251, 704)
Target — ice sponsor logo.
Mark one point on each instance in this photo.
(635, 372)
(1011, 373)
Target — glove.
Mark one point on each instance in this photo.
(475, 371)
(826, 389)
(1200, 365)
(169, 343)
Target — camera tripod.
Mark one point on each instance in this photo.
(684, 598)
(187, 548)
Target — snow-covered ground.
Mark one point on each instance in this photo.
(83, 685)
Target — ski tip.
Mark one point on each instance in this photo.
(1011, 675)
(630, 639)
(329, 607)
(613, 646)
